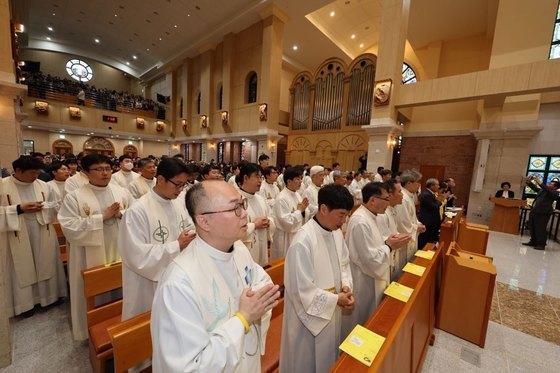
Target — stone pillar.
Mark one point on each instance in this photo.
(206, 87)
(10, 145)
(227, 74)
(392, 39)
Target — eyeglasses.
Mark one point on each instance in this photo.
(177, 185)
(384, 199)
(102, 169)
(238, 209)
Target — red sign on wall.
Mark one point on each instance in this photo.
(109, 118)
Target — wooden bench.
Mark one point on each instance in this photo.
(98, 281)
(132, 342)
(271, 359)
(62, 244)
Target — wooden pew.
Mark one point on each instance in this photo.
(62, 244)
(407, 327)
(132, 342)
(271, 359)
(97, 281)
(449, 230)
(473, 238)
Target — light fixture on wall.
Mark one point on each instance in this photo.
(129, 142)
(225, 118)
(391, 141)
(203, 121)
(184, 125)
(42, 107)
(75, 112)
(140, 123)
(19, 28)
(263, 112)
(160, 125)
(61, 136)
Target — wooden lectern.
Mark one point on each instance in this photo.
(466, 294)
(505, 216)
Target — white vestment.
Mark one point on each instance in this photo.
(140, 186)
(58, 187)
(355, 189)
(378, 178)
(407, 222)
(316, 269)
(312, 194)
(231, 181)
(193, 325)
(35, 270)
(92, 241)
(147, 244)
(123, 178)
(269, 192)
(280, 182)
(288, 220)
(370, 261)
(257, 239)
(387, 223)
(75, 182)
(329, 179)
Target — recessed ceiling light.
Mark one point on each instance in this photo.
(148, 49)
(361, 45)
(96, 40)
(175, 26)
(332, 13)
(353, 36)
(188, 15)
(54, 14)
(295, 47)
(116, 15)
(29, 127)
(159, 39)
(128, 63)
(134, 56)
(48, 38)
(50, 28)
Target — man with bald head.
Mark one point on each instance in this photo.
(212, 307)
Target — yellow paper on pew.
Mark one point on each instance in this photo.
(398, 291)
(415, 269)
(425, 254)
(362, 344)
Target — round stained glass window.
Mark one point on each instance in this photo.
(79, 70)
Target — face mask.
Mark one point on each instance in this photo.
(128, 166)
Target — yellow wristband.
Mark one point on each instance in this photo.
(243, 321)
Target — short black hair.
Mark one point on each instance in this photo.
(69, 161)
(267, 171)
(54, 166)
(291, 173)
(263, 157)
(27, 162)
(143, 162)
(123, 157)
(390, 186)
(209, 167)
(385, 171)
(192, 168)
(371, 189)
(335, 165)
(335, 197)
(504, 184)
(91, 159)
(171, 167)
(379, 169)
(247, 169)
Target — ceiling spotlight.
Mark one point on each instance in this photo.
(332, 13)
(353, 36)
(295, 47)
(128, 63)
(54, 14)
(361, 45)
(96, 40)
(148, 49)
(116, 15)
(48, 38)
(159, 39)
(188, 15)
(175, 26)
(50, 28)
(134, 57)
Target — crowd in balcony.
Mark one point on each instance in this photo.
(40, 84)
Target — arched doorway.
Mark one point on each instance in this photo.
(60, 147)
(99, 145)
(130, 151)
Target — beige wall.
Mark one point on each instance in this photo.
(548, 140)
(287, 77)
(460, 116)
(104, 76)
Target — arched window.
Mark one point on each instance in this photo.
(251, 87)
(220, 97)
(408, 74)
(198, 100)
(555, 45)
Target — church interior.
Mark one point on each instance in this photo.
(464, 94)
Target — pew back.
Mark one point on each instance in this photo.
(132, 342)
(100, 280)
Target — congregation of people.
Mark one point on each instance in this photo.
(195, 240)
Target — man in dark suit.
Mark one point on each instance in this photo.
(541, 210)
(429, 213)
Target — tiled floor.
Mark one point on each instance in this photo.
(523, 336)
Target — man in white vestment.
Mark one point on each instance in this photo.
(280, 179)
(269, 190)
(317, 174)
(146, 181)
(264, 161)
(407, 221)
(153, 232)
(329, 178)
(125, 175)
(76, 181)
(260, 225)
(387, 223)
(377, 177)
(318, 287)
(232, 178)
(90, 219)
(213, 304)
(34, 268)
(212, 172)
(370, 254)
(289, 213)
(60, 174)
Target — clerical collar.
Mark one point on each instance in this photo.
(18, 181)
(97, 187)
(320, 225)
(368, 210)
(230, 249)
(246, 193)
(158, 197)
(147, 178)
